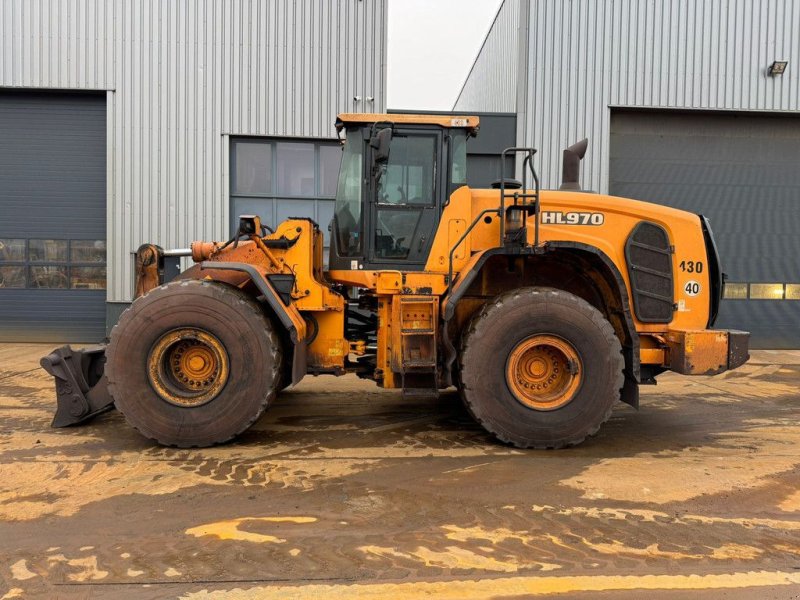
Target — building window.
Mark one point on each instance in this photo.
(281, 178)
(52, 264)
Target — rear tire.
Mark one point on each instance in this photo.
(540, 368)
(193, 363)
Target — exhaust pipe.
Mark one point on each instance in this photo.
(571, 170)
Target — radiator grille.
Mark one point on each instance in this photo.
(649, 257)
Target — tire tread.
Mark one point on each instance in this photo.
(480, 324)
(242, 299)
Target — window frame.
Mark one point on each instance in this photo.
(273, 194)
(27, 264)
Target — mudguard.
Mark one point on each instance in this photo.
(81, 386)
(287, 315)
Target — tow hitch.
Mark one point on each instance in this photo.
(81, 386)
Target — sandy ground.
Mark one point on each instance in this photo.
(343, 490)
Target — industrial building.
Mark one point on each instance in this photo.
(148, 121)
(690, 103)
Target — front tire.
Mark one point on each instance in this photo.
(193, 363)
(540, 368)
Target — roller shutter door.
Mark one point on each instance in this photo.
(52, 216)
(743, 172)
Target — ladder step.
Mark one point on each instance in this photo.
(420, 393)
(420, 364)
(420, 384)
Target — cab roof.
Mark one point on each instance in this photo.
(470, 123)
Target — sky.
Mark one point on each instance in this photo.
(432, 45)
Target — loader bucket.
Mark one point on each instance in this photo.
(81, 386)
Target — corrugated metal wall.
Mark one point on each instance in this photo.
(491, 85)
(584, 57)
(181, 75)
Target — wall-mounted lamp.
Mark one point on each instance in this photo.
(777, 68)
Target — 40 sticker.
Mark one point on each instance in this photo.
(692, 288)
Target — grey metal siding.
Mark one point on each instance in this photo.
(584, 57)
(491, 85)
(183, 75)
(52, 187)
(58, 43)
(742, 171)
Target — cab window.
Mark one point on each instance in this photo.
(405, 194)
(348, 199)
(409, 172)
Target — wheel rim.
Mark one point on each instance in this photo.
(188, 367)
(544, 372)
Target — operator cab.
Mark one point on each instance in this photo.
(397, 174)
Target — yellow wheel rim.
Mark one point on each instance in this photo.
(188, 367)
(544, 372)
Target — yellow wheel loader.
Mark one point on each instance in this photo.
(543, 308)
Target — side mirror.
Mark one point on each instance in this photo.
(380, 142)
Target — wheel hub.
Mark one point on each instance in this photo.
(188, 367)
(544, 372)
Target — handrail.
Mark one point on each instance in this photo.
(527, 163)
(461, 239)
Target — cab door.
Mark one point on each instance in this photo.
(404, 200)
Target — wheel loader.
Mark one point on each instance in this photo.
(543, 308)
